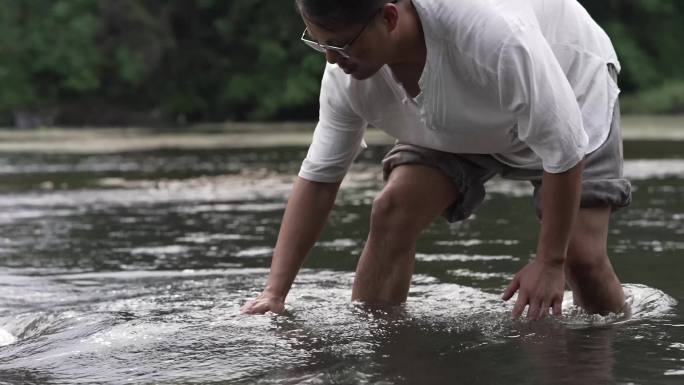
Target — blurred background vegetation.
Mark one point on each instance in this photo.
(175, 62)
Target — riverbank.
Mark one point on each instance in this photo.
(244, 135)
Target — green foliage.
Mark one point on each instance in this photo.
(212, 60)
(254, 66)
(136, 36)
(647, 35)
(39, 64)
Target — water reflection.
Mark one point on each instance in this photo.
(560, 355)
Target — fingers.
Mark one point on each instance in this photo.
(544, 309)
(511, 289)
(547, 307)
(519, 306)
(536, 309)
(557, 307)
(248, 308)
(255, 309)
(533, 311)
(261, 307)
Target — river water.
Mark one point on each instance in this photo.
(132, 267)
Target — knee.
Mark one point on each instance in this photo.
(586, 260)
(391, 212)
(587, 251)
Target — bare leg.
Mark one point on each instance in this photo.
(413, 197)
(589, 272)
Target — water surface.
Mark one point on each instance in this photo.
(132, 267)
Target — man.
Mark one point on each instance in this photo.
(470, 88)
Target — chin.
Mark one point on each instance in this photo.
(361, 74)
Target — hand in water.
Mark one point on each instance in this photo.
(263, 304)
(540, 285)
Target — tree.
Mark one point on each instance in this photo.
(47, 51)
(145, 61)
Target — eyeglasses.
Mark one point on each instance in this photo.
(342, 51)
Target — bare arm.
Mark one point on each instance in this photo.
(560, 200)
(541, 283)
(305, 216)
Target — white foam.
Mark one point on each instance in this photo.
(6, 338)
(674, 372)
(643, 303)
(458, 305)
(463, 257)
(254, 252)
(169, 249)
(123, 335)
(478, 274)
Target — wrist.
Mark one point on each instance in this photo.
(551, 259)
(274, 294)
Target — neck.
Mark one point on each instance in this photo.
(410, 48)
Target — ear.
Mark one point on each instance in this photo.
(390, 16)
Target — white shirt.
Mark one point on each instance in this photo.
(524, 80)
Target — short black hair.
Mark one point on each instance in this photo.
(337, 13)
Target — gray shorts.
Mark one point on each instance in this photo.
(603, 183)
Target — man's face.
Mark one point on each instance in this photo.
(365, 52)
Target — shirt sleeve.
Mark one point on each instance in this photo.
(338, 137)
(533, 86)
